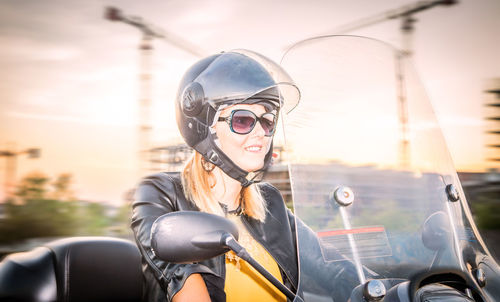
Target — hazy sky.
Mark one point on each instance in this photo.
(69, 77)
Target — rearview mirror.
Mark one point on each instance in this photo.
(188, 236)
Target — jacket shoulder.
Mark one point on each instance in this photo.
(268, 190)
(156, 187)
(272, 196)
(163, 181)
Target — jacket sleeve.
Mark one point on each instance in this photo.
(152, 201)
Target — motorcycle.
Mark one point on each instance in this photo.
(380, 212)
(379, 209)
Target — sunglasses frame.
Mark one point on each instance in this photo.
(229, 121)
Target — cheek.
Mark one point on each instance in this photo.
(237, 144)
(230, 143)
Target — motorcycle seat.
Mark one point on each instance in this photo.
(74, 269)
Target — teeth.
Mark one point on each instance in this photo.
(253, 149)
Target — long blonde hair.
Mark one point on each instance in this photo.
(198, 184)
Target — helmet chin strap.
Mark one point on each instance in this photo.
(221, 160)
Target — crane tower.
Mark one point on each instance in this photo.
(149, 32)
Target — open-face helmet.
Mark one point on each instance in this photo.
(222, 80)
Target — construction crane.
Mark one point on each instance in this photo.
(406, 15)
(149, 32)
(11, 167)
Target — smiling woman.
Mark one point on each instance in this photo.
(226, 109)
(249, 148)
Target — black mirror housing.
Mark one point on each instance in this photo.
(189, 236)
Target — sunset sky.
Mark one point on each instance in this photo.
(70, 78)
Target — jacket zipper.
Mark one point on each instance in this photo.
(249, 229)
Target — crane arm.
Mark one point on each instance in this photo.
(403, 11)
(151, 31)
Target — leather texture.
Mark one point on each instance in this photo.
(97, 269)
(439, 292)
(162, 193)
(74, 269)
(28, 276)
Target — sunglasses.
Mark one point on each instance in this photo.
(242, 121)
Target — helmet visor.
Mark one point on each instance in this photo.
(243, 76)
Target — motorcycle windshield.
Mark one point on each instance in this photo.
(371, 177)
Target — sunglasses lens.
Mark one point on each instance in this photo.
(267, 123)
(243, 121)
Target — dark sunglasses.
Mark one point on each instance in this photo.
(242, 121)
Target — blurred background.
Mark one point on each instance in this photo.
(87, 91)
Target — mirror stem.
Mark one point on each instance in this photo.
(436, 259)
(228, 240)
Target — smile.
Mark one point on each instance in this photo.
(253, 148)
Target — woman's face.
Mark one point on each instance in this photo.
(245, 150)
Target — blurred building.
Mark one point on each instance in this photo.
(492, 117)
(487, 197)
(169, 158)
(172, 158)
(491, 189)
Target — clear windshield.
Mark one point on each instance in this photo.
(369, 168)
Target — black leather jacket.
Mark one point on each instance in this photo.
(162, 193)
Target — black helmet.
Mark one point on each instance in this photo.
(225, 79)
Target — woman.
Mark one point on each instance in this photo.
(226, 109)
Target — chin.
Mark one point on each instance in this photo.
(252, 162)
(254, 168)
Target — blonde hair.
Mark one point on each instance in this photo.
(198, 183)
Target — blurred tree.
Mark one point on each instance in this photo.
(93, 219)
(49, 209)
(121, 221)
(38, 218)
(34, 214)
(485, 209)
(33, 186)
(62, 190)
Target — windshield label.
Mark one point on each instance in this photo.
(370, 242)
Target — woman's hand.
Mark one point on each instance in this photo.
(194, 289)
